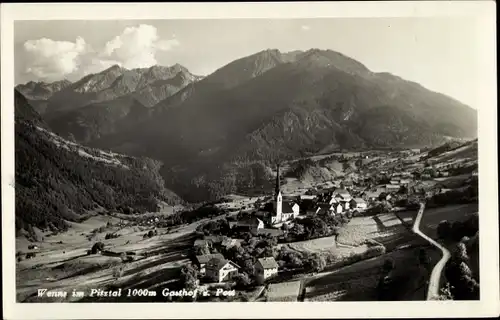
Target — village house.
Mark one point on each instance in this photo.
(305, 197)
(371, 195)
(338, 208)
(346, 205)
(405, 182)
(202, 244)
(283, 211)
(215, 240)
(250, 223)
(344, 194)
(307, 205)
(392, 188)
(358, 203)
(265, 268)
(221, 270)
(325, 208)
(202, 260)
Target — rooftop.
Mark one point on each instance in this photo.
(268, 263)
(203, 259)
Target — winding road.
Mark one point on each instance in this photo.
(434, 281)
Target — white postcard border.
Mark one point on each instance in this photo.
(487, 150)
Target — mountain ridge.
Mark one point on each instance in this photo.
(271, 106)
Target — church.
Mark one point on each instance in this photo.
(282, 211)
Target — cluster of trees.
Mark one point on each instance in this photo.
(383, 206)
(315, 227)
(150, 234)
(299, 168)
(190, 216)
(112, 235)
(215, 227)
(208, 183)
(54, 184)
(466, 195)
(463, 286)
(455, 231)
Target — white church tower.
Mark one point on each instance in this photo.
(279, 197)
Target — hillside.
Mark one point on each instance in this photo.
(59, 181)
(274, 106)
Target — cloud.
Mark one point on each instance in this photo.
(136, 47)
(305, 28)
(46, 58)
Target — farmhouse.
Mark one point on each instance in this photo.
(358, 203)
(250, 223)
(220, 269)
(202, 260)
(266, 268)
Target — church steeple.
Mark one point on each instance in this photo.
(277, 188)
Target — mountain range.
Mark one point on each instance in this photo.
(57, 180)
(216, 134)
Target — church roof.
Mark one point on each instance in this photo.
(287, 207)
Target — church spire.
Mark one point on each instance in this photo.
(278, 185)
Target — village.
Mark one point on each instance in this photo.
(281, 218)
(280, 242)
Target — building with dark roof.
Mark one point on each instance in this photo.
(266, 268)
(202, 260)
(220, 269)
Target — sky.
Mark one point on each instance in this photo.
(441, 53)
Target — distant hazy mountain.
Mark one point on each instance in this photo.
(273, 106)
(58, 180)
(96, 104)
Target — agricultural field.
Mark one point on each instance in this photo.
(283, 292)
(386, 229)
(358, 281)
(326, 247)
(62, 262)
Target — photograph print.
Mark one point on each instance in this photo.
(247, 160)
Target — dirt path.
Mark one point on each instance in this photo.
(433, 290)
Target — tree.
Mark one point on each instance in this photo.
(243, 280)
(316, 262)
(189, 277)
(248, 266)
(460, 252)
(444, 230)
(388, 266)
